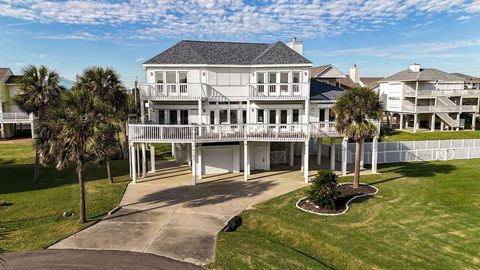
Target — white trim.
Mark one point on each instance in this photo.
(346, 204)
(145, 66)
(329, 67)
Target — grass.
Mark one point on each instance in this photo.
(424, 217)
(163, 151)
(33, 220)
(396, 135)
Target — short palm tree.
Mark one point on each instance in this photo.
(357, 112)
(38, 89)
(106, 85)
(79, 132)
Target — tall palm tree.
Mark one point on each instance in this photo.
(38, 88)
(79, 132)
(106, 85)
(357, 110)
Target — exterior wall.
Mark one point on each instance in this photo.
(391, 94)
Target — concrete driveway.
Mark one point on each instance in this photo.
(166, 216)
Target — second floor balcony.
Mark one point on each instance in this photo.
(284, 91)
(15, 117)
(172, 91)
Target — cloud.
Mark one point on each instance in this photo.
(152, 20)
(415, 50)
(139, 59)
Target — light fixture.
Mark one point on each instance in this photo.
(203, 73)
(151, 73)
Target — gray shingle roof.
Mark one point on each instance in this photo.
(13, 79)
(228, 53)
(425, 74)
(324, 91)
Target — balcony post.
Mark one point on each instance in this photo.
(144, 160)
(305, 165)
(133, 164)
(292, 153)
(474, 120)
(142, 111)
(137, 154)
(200, 112)
(246, 161)
(319, 151)
(344, 155)
(200, 161)
(2, 131)
(152, 158)
(332, 154)
(401, 121)
(302, 165)
(458, 122)
(415, 120)
(432, 123)
(194, 165)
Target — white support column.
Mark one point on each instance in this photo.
(246, 161)
(442, 125)
(2, 131)
(32, 128)
(200, 171)
(134, 165)
(390, 120)
(401, 121)
(152, 158)
(302, 165)
(194, 166)
(200, 113)
(307, 111)
(332, 154)
(292, 153)
(474, 120)
(144, 160)
(137, 154)
(458, 122)
(174, 154)
(319, 151)
(344, 156)
(362, 154)
(374, 154)
(432, 123)
(415, 120)
(305, 165)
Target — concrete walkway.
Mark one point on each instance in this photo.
(166, 216)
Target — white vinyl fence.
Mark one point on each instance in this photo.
(407, 151)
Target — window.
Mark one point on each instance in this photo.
(272, 77)
(212, 117)
(223, 116)
(260, 116)
(184, 117)
(171, 77)
(260, 77)
(283, 116)
(173, 117)
(284, 79)
(159, 76)
(295, 117)
(296, 77)
(182, 77)
(233, 117)
(273, 116)
(244, 116)
(321, 118)
(161, 117)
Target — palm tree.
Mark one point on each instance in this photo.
(38, 88)
(106, 85)
(79, 133)
(357, 110)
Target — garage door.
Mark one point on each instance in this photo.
(217, 160)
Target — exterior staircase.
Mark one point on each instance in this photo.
(449, 120)
(445, 101)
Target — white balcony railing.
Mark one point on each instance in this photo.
(150, 133)
(171, 91)
(322, 129)
(439, 109)
(278, 91)
(408, 91)
(16, 117)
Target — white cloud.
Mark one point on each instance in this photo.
(151, 19)
(139, 59)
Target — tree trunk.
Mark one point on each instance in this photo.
(358, 150)
(36, 168)
(80, 168)
(109, 171)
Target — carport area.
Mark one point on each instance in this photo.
(165, 215)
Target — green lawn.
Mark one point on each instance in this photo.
(426, 216)
(163, 151)
(396, 135)
(34, 218)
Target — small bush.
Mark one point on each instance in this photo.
(324, 190)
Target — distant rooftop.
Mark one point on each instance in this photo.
(3, 72)
(228, 53)
(425, 74)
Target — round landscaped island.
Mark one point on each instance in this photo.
(346, 194)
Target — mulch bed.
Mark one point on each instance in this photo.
(347, 194)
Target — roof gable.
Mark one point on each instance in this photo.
(327, 71)
(425, 74)
(4, 72)
(228, 53)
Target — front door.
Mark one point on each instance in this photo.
(260, 162)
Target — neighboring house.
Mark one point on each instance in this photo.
(329, 74)
(231, 107)
(429, 98)
(12, 119)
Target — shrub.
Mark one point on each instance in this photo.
(324, 190)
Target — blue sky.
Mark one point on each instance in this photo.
(380, 36)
